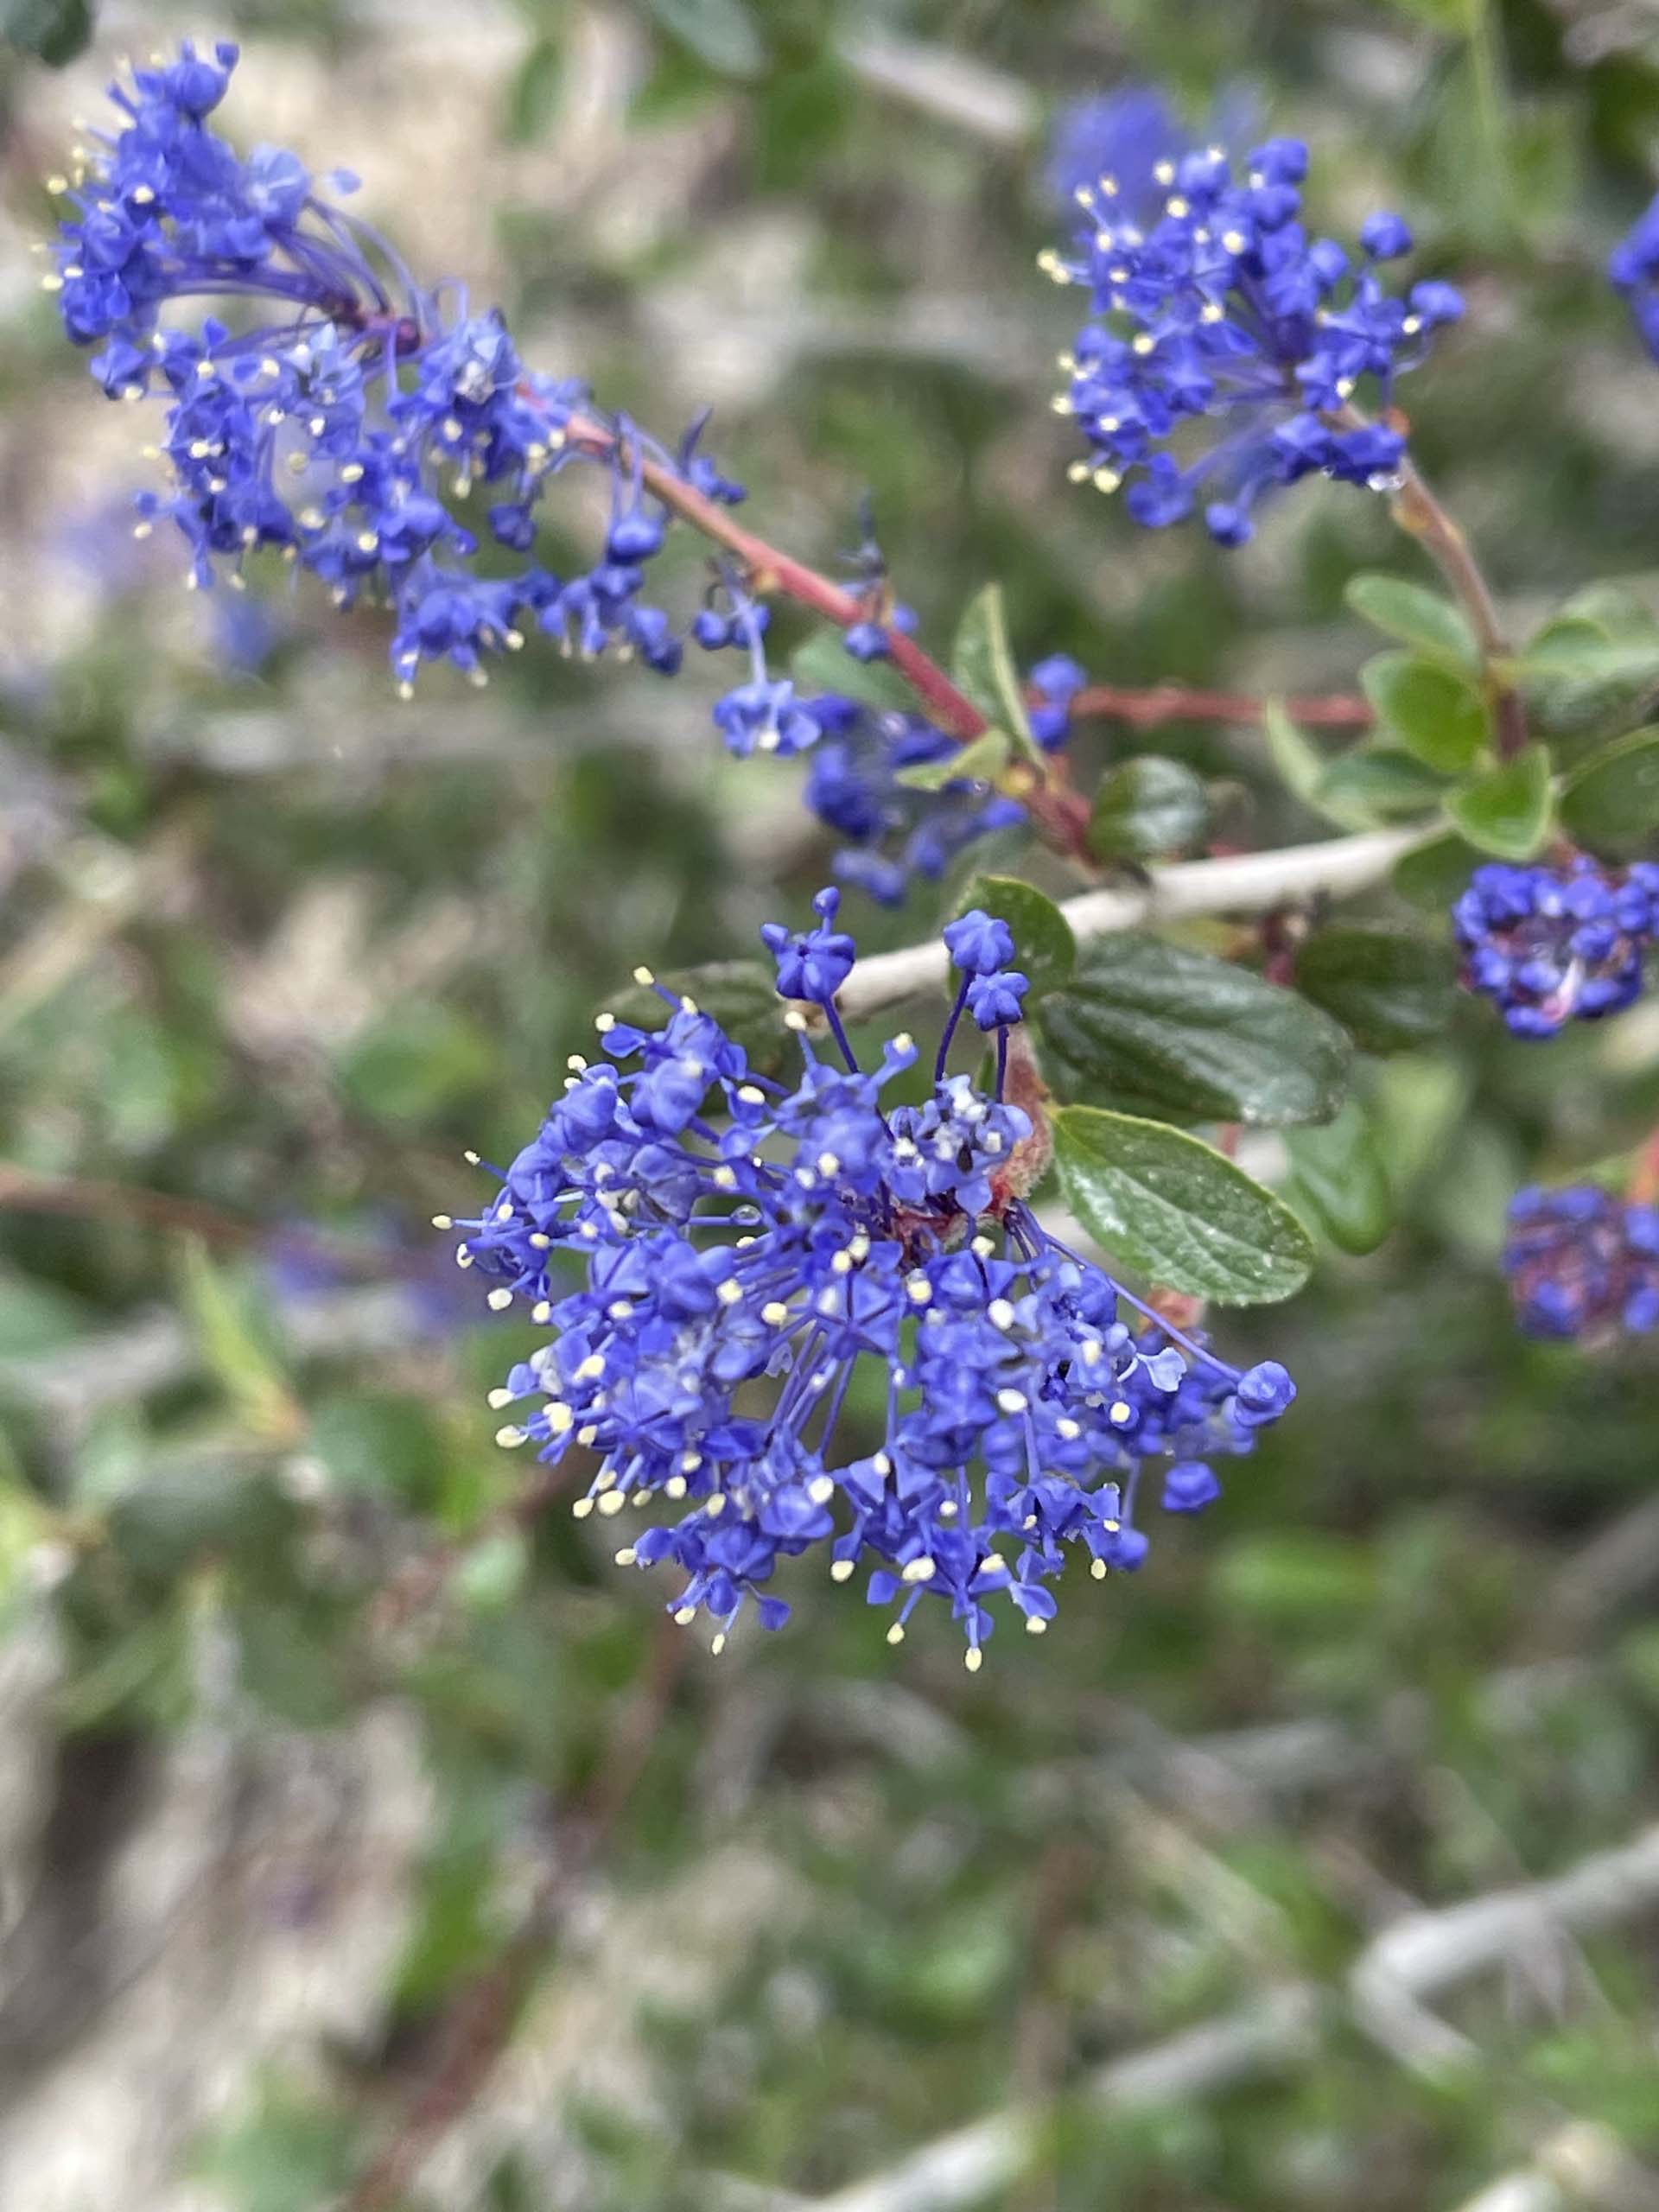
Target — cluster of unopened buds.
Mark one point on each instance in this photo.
(821, 1237)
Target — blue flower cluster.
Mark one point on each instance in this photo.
(1211, 300)
(825, 1242)
(1551, 944)
(1581, 1261)
(349, 415)
(1633, 271)
(355, 422)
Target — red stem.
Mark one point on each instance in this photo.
(1060, 814)
(1146, 707)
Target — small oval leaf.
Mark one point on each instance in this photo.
(1507, 810)
(1163, 1031)
(1437, 713)
(1416, 617)
(1178, 1212)
(1146, 807)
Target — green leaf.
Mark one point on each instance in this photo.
(823, 663)
(982, 665)
(1416, 617)
(54, 31)
(1379, 783)
(1340, 1183)
(532, 91)
(1389, 989)
(1436, 713)
(982, 759)
(1612, 800)
(1302, 768)
(1580, 671)
(721, 33)
(236, 1348)
(1044, 948)
(1178, 1212)
(1147, 806)
(1163, 1031)
(1507, 810)
(1430, 877)
(741, 994)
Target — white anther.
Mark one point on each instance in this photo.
(920, 1570)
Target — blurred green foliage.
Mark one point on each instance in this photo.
(274, 952)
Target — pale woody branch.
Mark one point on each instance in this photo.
(1241, 883)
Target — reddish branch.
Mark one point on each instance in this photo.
(1146, 707)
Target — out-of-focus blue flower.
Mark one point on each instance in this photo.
(733, 1231)
(346, 414)
(1208, 300)
(1057, 682)
(1633, 271)
(1582, 1262)
(894, 832)
(1548, 945)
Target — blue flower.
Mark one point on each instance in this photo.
(347, 412)
(716, 1255)
(978, 942)
(1057, 682)
(1549, 944)
(1582, 1262)
(1214, 302)
(1632, 269)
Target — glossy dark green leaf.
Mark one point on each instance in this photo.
(54, 31)
(721, 33)
(1157, 1029)
(742, 996)
(1417, 617)
(1612, 800)
(1507, 810)
(1146, 807)
(1045, 948)
(1177, 1210)
(1378, 784)
(1436, 713)
(982, 665)
(1390, 988)
(1341, 1184)
(823, 663)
